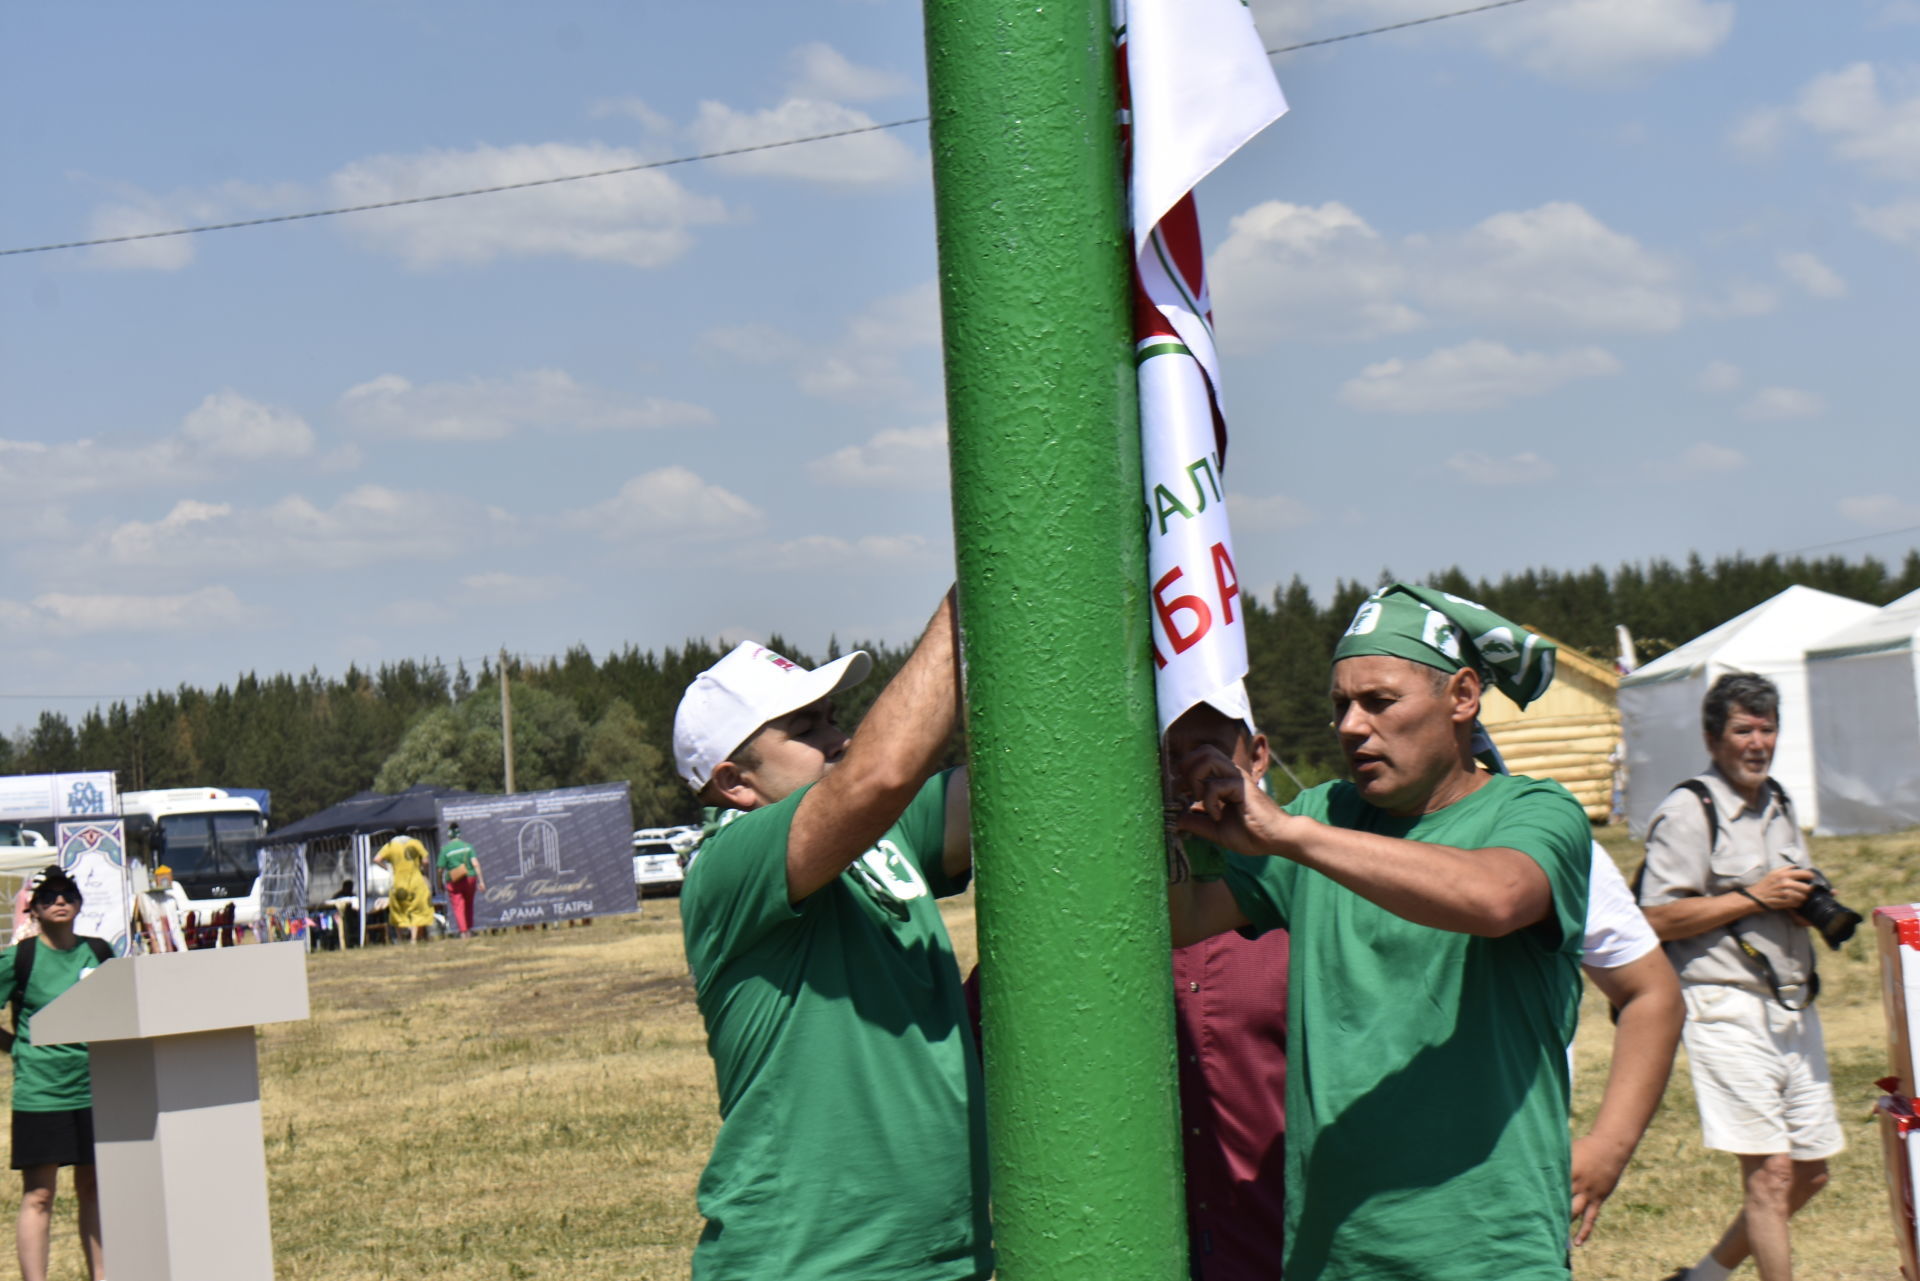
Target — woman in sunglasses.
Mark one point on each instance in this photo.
(52, 1091)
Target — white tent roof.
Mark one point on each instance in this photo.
(1660, 703)
(1772, 636)
(1895, 627)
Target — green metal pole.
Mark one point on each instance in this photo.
(1045, 447)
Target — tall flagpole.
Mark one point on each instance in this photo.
(1045, 448)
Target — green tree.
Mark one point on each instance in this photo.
(616, 749)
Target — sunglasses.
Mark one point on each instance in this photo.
(49, 897)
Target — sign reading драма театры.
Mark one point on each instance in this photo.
(548, 856)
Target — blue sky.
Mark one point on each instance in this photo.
(1568, 282)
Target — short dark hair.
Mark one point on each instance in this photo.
(1754, 695)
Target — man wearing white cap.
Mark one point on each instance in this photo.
(852, 1139)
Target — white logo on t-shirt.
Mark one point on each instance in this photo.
(895, 870)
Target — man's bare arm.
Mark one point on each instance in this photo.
(1490, 892)
(893, 753)
(957, 854)
(1782, 889)
(1647, 994)
(1201, 909)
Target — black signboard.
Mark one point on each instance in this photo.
(548, 856)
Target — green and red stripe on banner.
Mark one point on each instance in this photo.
(1195, 85)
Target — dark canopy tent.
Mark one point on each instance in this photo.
(317, 852)
(371, 812)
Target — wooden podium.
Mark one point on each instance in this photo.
(176, 1104)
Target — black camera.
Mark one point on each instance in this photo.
(1834, 919)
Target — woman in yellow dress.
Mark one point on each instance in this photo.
(410, 903)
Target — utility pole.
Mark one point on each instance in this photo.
(506, 720)
(1068, 830)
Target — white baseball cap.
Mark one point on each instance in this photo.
(729, 702)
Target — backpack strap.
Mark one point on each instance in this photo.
(1699, 789)
(23, 954)
(102, 950)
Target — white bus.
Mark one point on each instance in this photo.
(211, 841)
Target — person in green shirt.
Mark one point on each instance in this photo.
(852, 1141)
(1436, 912)
(52, 1089)
(460, 873)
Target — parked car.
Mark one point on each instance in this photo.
(659, 858)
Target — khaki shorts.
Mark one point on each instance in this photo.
(1760, 1075)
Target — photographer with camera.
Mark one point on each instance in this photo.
(1729, 890)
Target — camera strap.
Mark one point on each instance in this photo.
(1773, 980)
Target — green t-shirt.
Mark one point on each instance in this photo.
(456, 853)
(48, 1078)
(1427, 1070)
(853, 1134)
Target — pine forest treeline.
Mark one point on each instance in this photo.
(315, 740)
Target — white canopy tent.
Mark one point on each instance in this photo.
(1660, 703)
(1864, 682)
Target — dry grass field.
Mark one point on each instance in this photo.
(540, 1104)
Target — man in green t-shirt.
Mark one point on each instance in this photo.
(52, 1088)
(853, 1138)
(460, 873)
(1436, 913)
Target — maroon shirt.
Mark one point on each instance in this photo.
(1230, 1007)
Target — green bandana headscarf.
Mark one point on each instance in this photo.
(1449, 632)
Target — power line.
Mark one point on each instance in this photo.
(1842, 542)
(650, 164)
(1393, 26)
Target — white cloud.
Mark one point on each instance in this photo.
(1525, 468)
(1474, 375)
(1898, 222)
(1740, 298)
(492, 408)
(1881, 511)
(515, 589)
(1597, 42)
(1812, 275)
(228, 424)
(368, 525)
(1862, 125)
(816, 553)
(1758, 133)
(1282, 21)
(1775, 403)
(1293, 271)
(136, 212)
(1696, 461)
(225, 428)
(637, 219)
(1720, 377)
(1703, 459)
(64, 614)
(1556, 264)
(863, 160)
(866, 361)
(821, 71)
(1607, 40)
(632, 109)
(897, 458)
(670, 502)
(1275, 513)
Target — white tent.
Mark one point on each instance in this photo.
(1866, 721)
(1660, 703)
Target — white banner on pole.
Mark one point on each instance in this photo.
(1197, 85)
